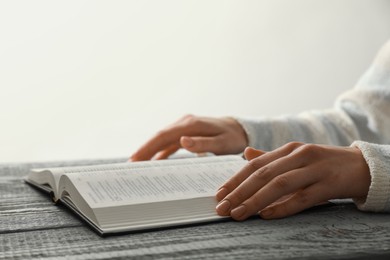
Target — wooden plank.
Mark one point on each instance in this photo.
(25, 208)
(32, 227)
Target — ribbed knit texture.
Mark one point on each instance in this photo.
(377, 157)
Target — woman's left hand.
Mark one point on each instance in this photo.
(292, 178)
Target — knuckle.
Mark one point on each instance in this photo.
(185, 120)
(308, 150)
(293, 145)
(262, 175)
(237, 197)
(280, 182)
(232, 184)
(192, 121)
(188, 117)
(254, 164)
(302, 198)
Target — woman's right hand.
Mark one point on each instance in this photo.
(195, 134)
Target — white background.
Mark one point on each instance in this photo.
(94, 79)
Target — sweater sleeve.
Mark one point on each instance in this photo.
(362, 113)
(378, 161)
(360, 117)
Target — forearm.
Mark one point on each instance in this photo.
(321, 127)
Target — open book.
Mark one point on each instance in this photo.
(122, 197)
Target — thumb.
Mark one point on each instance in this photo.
(251, 153)
(201, 144)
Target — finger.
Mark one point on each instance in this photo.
(200, 144)
(265, 186)
(167, 152)
(301, 200)
(162, 140)
(287, 183)
(159, 142)
(187, 126)
(251, 153)
(252, 166)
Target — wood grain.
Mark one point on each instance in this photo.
(31, 226)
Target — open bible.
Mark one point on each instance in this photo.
(123, 197)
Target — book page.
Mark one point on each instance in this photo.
(156, 181)
(42, 177)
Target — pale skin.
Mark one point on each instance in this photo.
(274, 184)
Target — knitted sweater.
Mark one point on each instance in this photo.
(360, 118)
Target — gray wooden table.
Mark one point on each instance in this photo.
(32, 227)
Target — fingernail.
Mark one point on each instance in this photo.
(223, 207)
(266, 212)
(238, 212)
(221, 193)
(187, 142)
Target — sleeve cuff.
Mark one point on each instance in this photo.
(258, 132)
(377, 158)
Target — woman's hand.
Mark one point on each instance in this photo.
(196, 134)
(292, 178)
